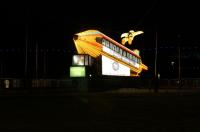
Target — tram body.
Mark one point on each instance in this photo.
(95, 44)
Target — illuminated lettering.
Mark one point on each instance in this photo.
(104, 42)
(119, 53)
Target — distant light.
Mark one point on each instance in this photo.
(7, 83)
(158, 75)
(90, 75)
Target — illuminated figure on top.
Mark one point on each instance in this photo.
(128, 37)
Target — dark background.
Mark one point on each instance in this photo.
(48, 28)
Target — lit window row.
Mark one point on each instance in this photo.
(119, 50)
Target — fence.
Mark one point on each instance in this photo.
(103, 84)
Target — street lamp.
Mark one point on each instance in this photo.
(172, 69)
(172, 63)
(155, 70)
(156, 52)
(179, 61)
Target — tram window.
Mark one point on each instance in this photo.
(139, 61)
(107, 44)
(117, 49)
(134, 58)
(124, 53)
(114, 47)
(111, 46)
(128, 55)
(103, 42)
(131, 56)
(99, 40)
(120, 51)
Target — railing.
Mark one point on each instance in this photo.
(189, 83)
(103, 83)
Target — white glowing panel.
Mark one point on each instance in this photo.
(111, 67)
(78, 60)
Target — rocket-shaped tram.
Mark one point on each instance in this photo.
(95, 44)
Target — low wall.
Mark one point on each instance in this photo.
(98, 84)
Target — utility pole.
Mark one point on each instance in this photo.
(27, 30)
(155, 70)
(156, 52)
(44, 65)
(26, 52)
(179, 61)
(36, 60)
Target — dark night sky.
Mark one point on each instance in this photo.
(55, 21)
(52, 25)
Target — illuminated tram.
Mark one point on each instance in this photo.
(95, 44)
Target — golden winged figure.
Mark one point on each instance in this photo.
(128, 37)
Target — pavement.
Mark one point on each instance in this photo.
(123, 110)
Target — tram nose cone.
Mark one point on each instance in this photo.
(75, 37)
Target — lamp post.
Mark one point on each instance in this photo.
(172, 63)
(179, 61)
(36, 61)
(26, 52)
(156, 52)
(155, 70)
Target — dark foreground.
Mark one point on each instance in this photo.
(101, 112)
